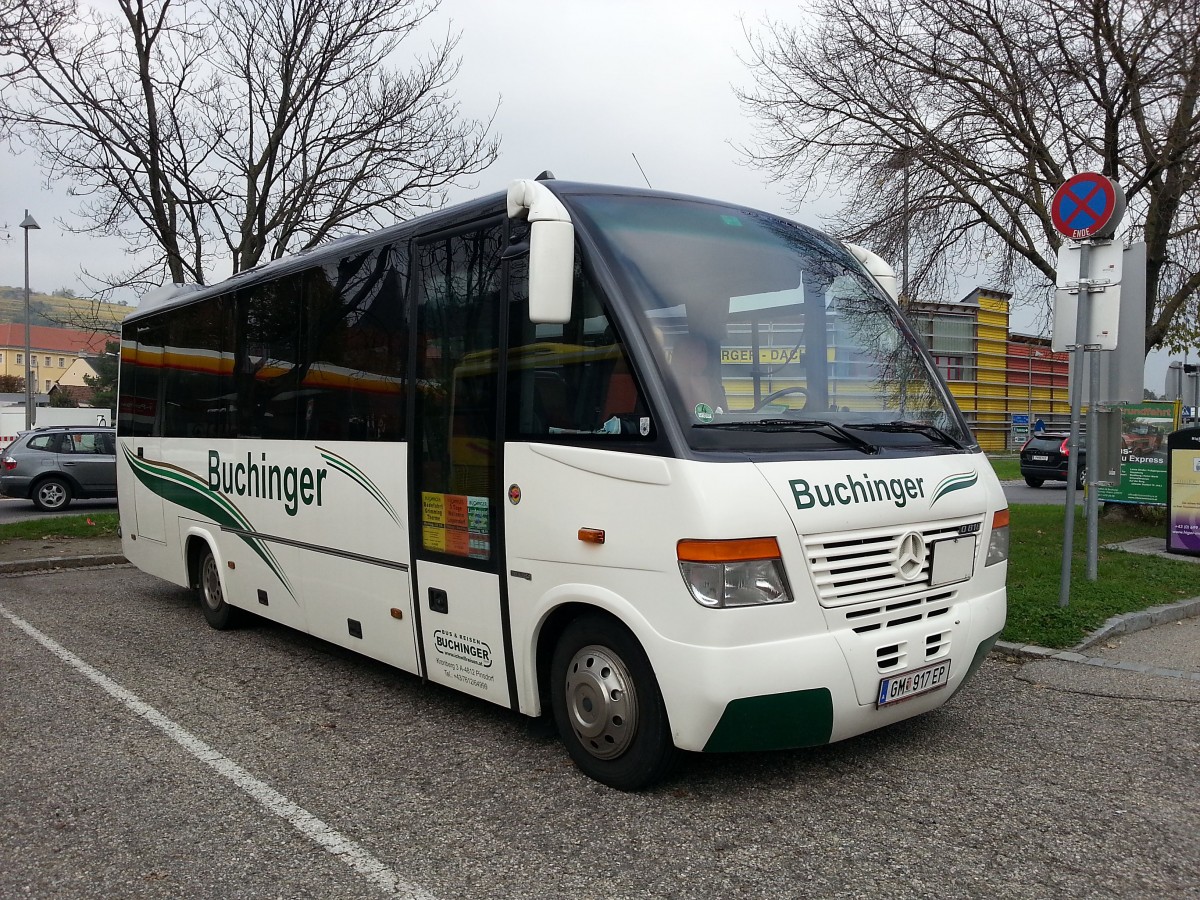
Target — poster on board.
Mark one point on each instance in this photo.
(1144, 430)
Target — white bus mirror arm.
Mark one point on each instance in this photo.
(877, 267)
(533, 201)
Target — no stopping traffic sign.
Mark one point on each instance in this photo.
(1089, 205)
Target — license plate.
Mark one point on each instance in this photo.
(1039, 457)
(895, 688)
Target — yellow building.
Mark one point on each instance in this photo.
(52, 351)
(992, 373)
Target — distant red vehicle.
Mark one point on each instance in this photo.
(1144, 437)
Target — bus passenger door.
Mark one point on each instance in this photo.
(455, 453)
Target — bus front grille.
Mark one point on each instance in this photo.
(879, 568)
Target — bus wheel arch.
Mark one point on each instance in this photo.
(605, 698)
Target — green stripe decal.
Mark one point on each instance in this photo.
(182, 488)
(350, 470)
(953, 483)
(774, 722)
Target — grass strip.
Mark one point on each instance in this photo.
(76, 526)
(1007, 468)
(1126, 582)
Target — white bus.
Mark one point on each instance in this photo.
(675, 471)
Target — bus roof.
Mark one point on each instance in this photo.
(175, 296)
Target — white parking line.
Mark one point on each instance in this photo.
(348, 851)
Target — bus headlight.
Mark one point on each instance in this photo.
(998, 543)
(724, 574)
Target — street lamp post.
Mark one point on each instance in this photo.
(26, 224)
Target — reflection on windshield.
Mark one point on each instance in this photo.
(753, 319)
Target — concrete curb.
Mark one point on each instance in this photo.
(50, 563)
(1123, 624)
(1141, 620)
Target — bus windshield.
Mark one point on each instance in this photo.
(769, 335)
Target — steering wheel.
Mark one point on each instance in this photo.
(783, 392)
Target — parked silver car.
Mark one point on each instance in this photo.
(52, 466)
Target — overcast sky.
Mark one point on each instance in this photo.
(581, 86)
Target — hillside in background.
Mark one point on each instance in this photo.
(59, 311)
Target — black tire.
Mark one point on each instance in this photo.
(1081, 478)
(219, 614)
(1034, 482)
(52, 494)
(607, 705)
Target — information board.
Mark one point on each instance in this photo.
(1183, 513)
(1144, 430)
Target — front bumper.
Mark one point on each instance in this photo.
(805, 691)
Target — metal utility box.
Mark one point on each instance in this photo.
(1104, 453)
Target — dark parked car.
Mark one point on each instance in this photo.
(1045, 457)
(51, 466)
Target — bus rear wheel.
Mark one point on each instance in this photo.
(608, 707)
(219, 614)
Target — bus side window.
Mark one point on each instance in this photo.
(621, 397)
(570, 381)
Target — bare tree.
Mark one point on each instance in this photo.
(203, 131)
(949, 124)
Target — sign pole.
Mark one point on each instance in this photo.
(1091, 471)
(1088, 206)
(1077, 365)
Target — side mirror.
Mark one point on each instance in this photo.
(551, 250)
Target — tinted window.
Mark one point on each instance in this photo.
(1044, 444)
(319, 355)
(458, 315)
(47, 442)
(266, 354)
(570, 381)
(198, 370)
(356, 348)
(143, 352)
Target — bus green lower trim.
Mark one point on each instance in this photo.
(981, 652)
(774, 722)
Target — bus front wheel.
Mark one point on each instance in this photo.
(607, 705)
(219, 614)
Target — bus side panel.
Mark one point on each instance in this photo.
(254, 570)
(136, 504)
(461, 629)
(318, 532)
(361, 606)
(145, 517)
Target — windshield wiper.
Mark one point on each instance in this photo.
(930, 431)
(811, 426)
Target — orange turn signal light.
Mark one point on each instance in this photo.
(591, 535)
(740, 550)
(1000, 518)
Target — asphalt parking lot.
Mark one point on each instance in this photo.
(145, 755)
